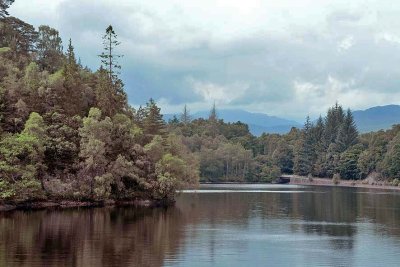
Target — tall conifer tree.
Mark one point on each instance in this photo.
(115, 92)
(185, 116)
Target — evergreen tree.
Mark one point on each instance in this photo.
(185, 116)
(108, 58)
(19, 36)
(333, 121)
(113, 87)
(4, 5)
(72, 101)
(347, 134)
(153, 122)
(49, 49)
(213, 121)
(213, 114)
(304, 152)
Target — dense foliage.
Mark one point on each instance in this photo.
(68, 133)
(327, 147)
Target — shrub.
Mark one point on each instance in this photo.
(396, 182)
(336, 179)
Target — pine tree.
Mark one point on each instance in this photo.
(213, 121)
(185, 116)
(333, 121)
(4, 5)
(49, 49)
(347, 134)
(304, 153)
(109, 59)
(71, 67)
(72, 100)
(213, 114)
(153, 123)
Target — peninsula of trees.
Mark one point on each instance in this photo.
(67, 133)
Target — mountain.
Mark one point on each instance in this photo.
(258, 122)
(377, 118)
(372, 119)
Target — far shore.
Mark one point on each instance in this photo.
(302, 180)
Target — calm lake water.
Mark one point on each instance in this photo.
(217, 225)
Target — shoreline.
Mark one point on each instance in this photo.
(67, 204)
(302, 180)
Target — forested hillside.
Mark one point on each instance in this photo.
(330, 147)
(68, 132)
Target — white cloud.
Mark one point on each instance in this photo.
(346, 43)
(221, 94)
(388, 37)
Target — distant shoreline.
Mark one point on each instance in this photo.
(302, 180)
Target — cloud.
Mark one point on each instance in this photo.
(285, 58)
(346, 43)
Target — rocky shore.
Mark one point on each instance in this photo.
(367, 183)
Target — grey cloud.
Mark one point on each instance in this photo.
(160, 58)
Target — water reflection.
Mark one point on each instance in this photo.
(228, 227)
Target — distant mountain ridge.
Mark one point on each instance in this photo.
(372, 119)
(377, 118)
(258, 122)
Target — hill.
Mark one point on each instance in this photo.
(377, 118)
(258, 122)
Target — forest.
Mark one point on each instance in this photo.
(328, 147)
(67, 132)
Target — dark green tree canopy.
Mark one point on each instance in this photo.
(4, 5)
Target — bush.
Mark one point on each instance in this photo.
(336, 179)
(396, 182)
(270, 173)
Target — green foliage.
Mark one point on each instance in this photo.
(348, 163)
(153, 123)
(304, 151)
(21, 157)
(391, 162)
(336, 179)
(48, 150)
(347, 134)
(270, 173)
(49, 46)
(155, 149)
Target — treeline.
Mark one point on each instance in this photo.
(68, 133)
(329, 147)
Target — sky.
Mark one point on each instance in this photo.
(288, 58)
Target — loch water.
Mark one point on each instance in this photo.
(216, 225)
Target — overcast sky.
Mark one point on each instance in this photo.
(289, 58)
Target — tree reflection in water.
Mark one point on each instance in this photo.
(157, 237)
